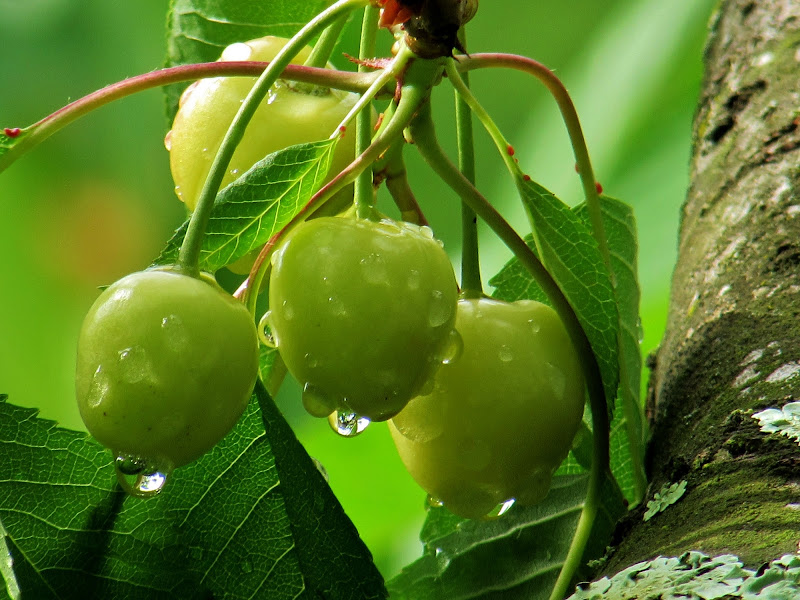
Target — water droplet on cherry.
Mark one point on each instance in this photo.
(347, 424)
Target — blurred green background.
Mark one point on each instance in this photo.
(96, 201)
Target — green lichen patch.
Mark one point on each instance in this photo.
(784, 421)
(666, 496)
(696, 576)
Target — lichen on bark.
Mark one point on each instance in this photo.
(733, 332)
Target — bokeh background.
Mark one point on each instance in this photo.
(96, 201)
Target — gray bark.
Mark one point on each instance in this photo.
(732, 345)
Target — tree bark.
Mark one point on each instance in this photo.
(732, 345)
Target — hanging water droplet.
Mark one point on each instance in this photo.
(434, 502)
(439, 310)
(501, 509)
(505, 354)
(265, 333)
(147, 482)
(321, 468)
(316, 403)
(453, 348)
(130, 465)
(347, 424)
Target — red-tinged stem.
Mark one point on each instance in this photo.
(570, 116)
(41, 130)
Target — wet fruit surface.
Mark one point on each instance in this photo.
(287, 116)
(166, 365)
(502, 417)
(362, 312)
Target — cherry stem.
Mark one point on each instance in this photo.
(424, 136)
(43, 129)
(631, 410)
(471, 286)
(569, 115)
(392, 170)
(189, 254)
(418, 77)
(364, 197)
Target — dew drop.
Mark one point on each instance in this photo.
(374, 269)
(414, 279)
(347, 424)
(287, 310)
(499, 510)
(535, 326)
(439, 310)
(168, 140)
(177, 339)
(452, 349)
(140, 477)
(505, 354)
(136, 365)
(265, 333)
(556, 379)
(130, 465)
(311, 362)
(234, 172)
(321, 468)
(316, 403)
(179, 193)
(337, 308)
(434, 502)
(426, 232)
(98, 388)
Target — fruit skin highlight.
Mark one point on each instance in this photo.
(166, 365)
(502, 417)
(362, 312)
(289, 115)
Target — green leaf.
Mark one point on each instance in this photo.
(9, 588)
(517, 556)
(258, 204)
(573, 259)
(198, 30)
(566, 238)
(627, 430)
(234, 524)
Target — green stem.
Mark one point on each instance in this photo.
(571, 120)
(189, 253)
(364, 197)
(321, 53)
(471, 286)
(632, 411)
(419, 77)
(393, 169)
(424, 137)
(32, 136)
